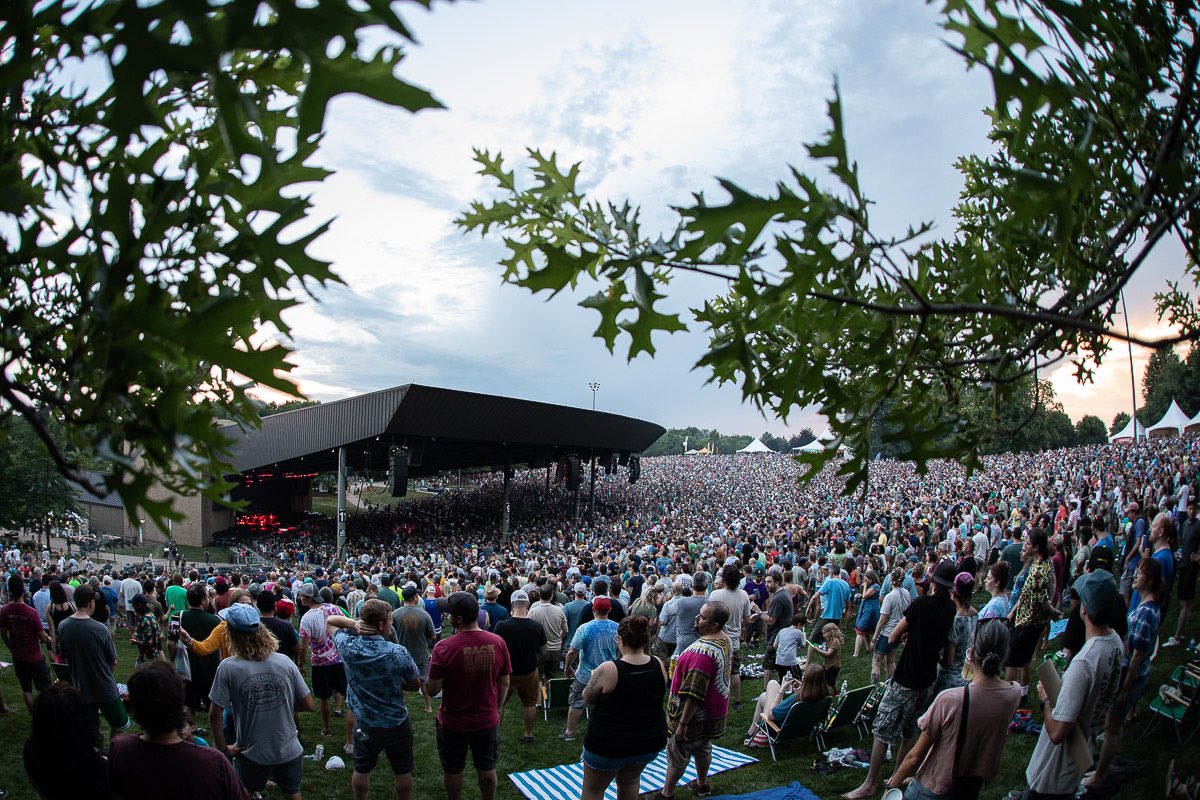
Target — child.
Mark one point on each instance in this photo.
(787, 644)
(831, 651)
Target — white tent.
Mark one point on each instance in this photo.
(1193, 425)
(1126, 433)
(756, 446)
(1172, 423)
(827, 436)
(815, 446)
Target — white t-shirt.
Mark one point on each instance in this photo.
(894, 605)
(738, 603)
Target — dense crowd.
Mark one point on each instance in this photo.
(651, 611)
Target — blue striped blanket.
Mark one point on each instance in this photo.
(566, 782)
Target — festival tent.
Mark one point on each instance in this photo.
(1193, 425)
(815, 446)
(1172, 423)
(1126, 433)
(756, 446)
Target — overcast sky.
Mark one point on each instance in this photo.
(655, 98)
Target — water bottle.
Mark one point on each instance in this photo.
(845, 687)
(319, 753)
(1192, 648)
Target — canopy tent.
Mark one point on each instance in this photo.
(814, 446)
(827, 436)
(756, 446)
(1126, 433)
(1193, 425)
(1172, 423)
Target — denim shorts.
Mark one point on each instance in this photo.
(917, 791)
(605, 764)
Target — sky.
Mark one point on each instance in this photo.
(655, 99)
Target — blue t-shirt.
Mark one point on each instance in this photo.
(431, 605)
(835, 593)
(1167, 560)
(376, 671)
(596, 642)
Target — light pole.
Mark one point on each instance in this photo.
(595, 387)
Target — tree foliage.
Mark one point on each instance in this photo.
(154, 217)
(1095, 133)
(1119, 421)
(1164, 380)
(34, 489)
(1091, 430)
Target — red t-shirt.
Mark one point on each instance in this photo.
(23, 625)
(469, 663)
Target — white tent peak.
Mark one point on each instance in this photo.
(756, 446)
(1172, 423)
(1126, 433)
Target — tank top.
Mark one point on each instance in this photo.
(630, 721)
(57, 615)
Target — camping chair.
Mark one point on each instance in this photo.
(62, 672)
(866, 714)
(802, 720)
(843, 714)
(1179, 701)
(554, 695)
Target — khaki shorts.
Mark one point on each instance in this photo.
(526, 687)
(680, 753)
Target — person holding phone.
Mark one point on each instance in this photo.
(780, 697)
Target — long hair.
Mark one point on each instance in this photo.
(63, 725)
(256, 645)
(813, 685)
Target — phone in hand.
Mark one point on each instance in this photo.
(173, 629)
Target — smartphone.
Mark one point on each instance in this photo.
(173, 629)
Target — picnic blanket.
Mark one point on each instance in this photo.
(566, 782)
(793, 791)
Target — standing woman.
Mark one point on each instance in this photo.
(868, 612)
(894, 606)
(935, 759)
(628, 728)
(962, 633)
(997, 586)
(59, 609)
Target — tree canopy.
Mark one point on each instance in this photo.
(155, 221)
(1093, 168)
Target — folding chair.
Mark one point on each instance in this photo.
(1178, 700)
(866, 714)
(555, 693)
(843, 714)
(62, 672)
(802, 720)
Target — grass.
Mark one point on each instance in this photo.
(327, 503)
(796, 758)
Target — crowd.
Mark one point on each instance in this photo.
(651, 612)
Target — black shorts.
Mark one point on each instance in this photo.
(1024, 641)
(452, 749)
(32, 673)
(327, 680)
(396, 742)
(1187, 582)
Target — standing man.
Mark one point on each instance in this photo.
(91, 657)
(289, 640)
(1136, 540)
(22, 631)
(471, 669)
(594, 643)
(1188, 567)
(778, 616)
(736, 628)
(553, 619)
(698, 703)
(412, 628)
(1088, 688)
(834, 594)
(328, 674)
(264, 689)
(378, 672)
(199, 625)
(525, 639)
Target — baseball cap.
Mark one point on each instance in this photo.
(139, 599)
(284, 608)
(602, 604)
(241, 617)
(1097, 592)
(944, 573)
(308, 590)
(580, 588)
(221, 580)
(520, 596)
(1133, 506)
(431, 589)
(409, 592)
(1101, 558)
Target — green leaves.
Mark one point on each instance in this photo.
(918, 346)
(134, 321)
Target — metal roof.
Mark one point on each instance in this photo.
(443, 428)
(85, 497)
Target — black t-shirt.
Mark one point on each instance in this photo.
(781, 610)
(616, 614)
(285, 633)
(929, 624)
(524, 638)
(635, 584)
(968, 564)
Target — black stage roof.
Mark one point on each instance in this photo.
(444, 429)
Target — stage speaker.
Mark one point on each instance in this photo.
(635, 469)
(574, 473)
(398, 476)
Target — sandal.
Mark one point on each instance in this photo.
(700, 789)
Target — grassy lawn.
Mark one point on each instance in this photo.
(796, 758)
(327, 503)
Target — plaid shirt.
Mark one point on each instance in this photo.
(1143, 632)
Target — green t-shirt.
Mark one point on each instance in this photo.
(177, 596)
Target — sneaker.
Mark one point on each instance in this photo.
(567, 736)
(348, 749)
(526, 740)
(1172, 642)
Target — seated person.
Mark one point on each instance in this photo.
(779, 698)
